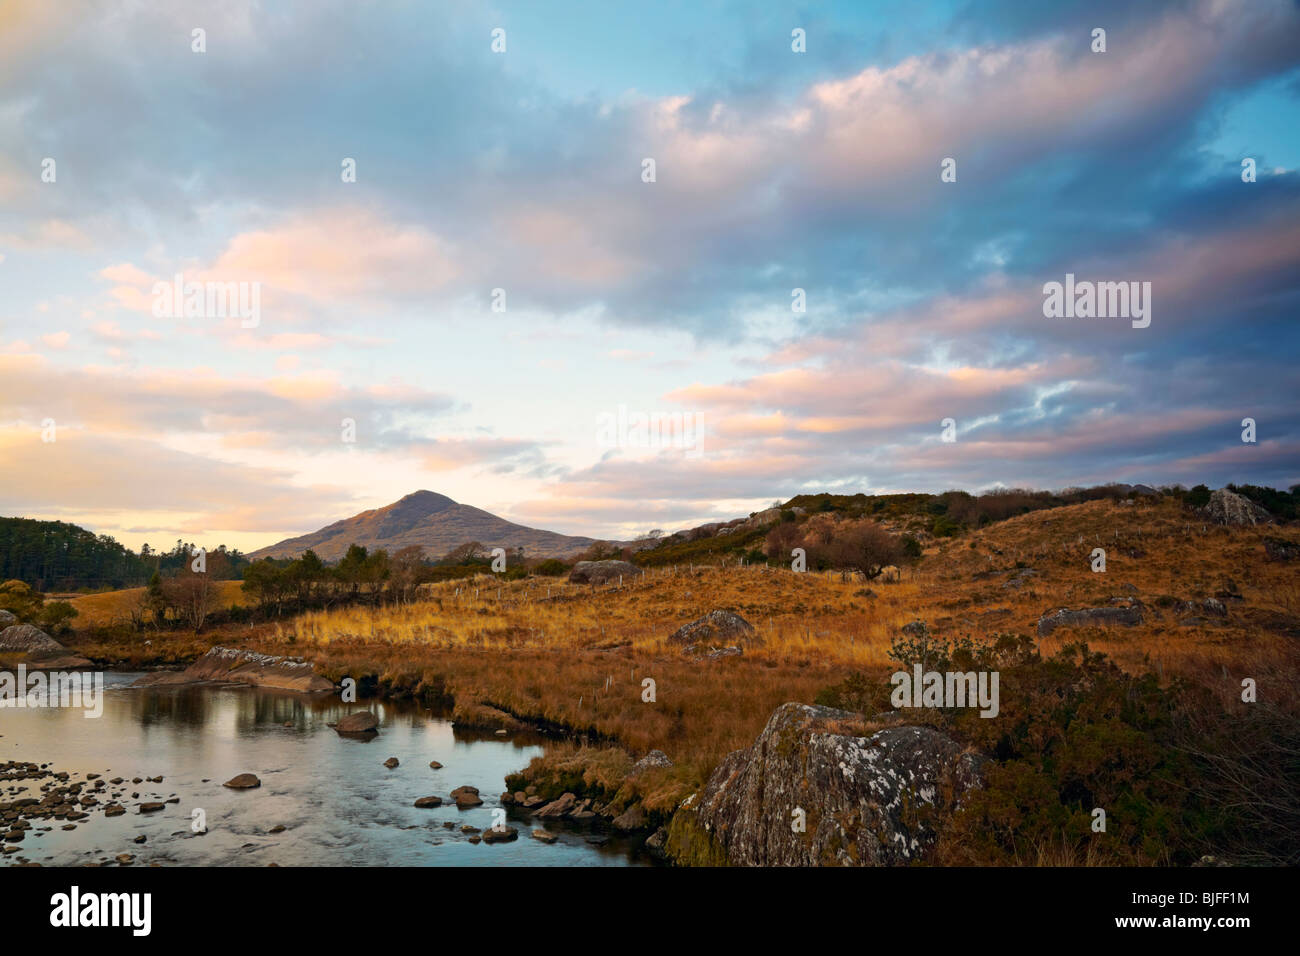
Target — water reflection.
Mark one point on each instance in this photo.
(337, 802)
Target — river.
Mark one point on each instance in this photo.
(338, 803)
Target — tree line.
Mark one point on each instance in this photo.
(57, 556)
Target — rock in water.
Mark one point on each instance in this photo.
(466, 797)
(428, 803)
(230, 665)
(867, 800)
(1228, 507)
(245, 781)
(391, 762)
(360, 722)
(601, 572)
(504, 835)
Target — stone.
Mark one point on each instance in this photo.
(230, 665)
(466, 797)
(358, 722)
(602, 572)
(718, 628)
(427, 803)
(1128, 613)
(503, 835)
(244, 781)
(633, 818)
(544, 836)
(559, 808)
(1280, 549)
(869, 797)
(391, 762)
(1229, 508)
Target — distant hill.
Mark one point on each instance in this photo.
(430, 520)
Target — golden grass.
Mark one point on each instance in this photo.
(576, 655)
(114, 607)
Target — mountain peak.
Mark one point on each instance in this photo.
(433, 521)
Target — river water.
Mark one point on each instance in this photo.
(339, 804)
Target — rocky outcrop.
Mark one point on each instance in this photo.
(1228, 507)
(228, 665)
(42, 651)
(602, 572)
(863, 800)
(719, 629)
(1126, 611)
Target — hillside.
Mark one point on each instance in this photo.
(432, 521)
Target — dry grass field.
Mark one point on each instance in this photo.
(540, 650)
(576, 655)
(114, 607)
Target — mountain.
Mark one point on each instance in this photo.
(428, 519)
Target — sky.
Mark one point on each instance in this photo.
(505, 276)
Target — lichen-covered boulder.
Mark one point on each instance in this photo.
(601, 572)
(869, 797)
(716, 629)
(29, 638)
(654, 760)
(1228, 507)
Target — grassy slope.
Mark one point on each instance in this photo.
(578, 657)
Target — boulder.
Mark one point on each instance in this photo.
(718, 628)
(7, 618)
(466, 797)
(392, 762)
(866, 800)
(1280, 549)
(651, 761)
(244, 781)
(559, 808)
(1128, 612)
(545, 836)
(43, 652)
(633, 818)
(504, 835)
(428, 803)
(1229, 508)
(601, 572)
(229, 665)
(358, 722)
(656, 843)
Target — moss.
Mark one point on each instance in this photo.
(689, 844)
